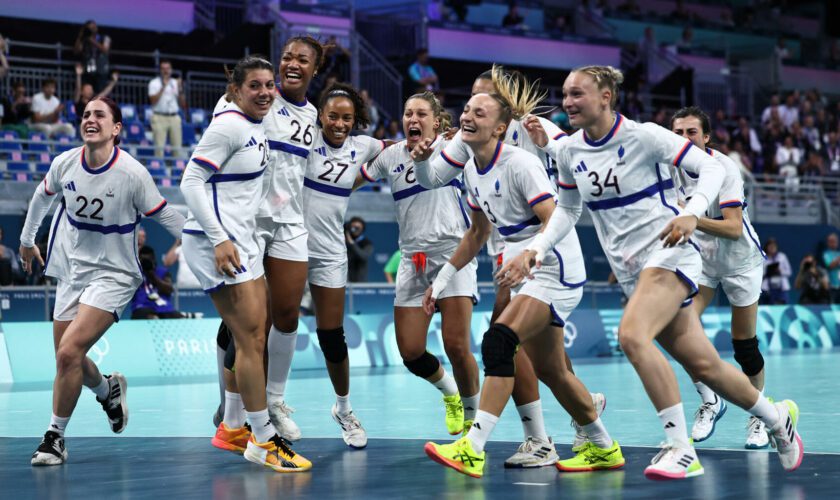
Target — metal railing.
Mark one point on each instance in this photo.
(372, 72)
(795, 199)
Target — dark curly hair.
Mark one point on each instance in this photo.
(361, 120)
(319, 48)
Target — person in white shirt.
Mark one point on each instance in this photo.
(166, 94)
(46, 112)
(223, 189)
(331, 171)
(185, 277)
(104, 193)
(732, 258)
(620, 168)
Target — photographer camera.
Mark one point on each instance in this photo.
(153, 300)
(359, 250)
(812, 282)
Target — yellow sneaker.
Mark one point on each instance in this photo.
(235, 440)
(276, 454)
(458, 455)
(591, 457)
(467, 425)
(454, 414)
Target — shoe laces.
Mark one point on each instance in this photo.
(283, 445)
(667, 448)
(452, 408)
(528, 445)
(705, 412)
(283, 408)
(349, 422)
(754, 425)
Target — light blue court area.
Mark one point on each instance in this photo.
(165, 450)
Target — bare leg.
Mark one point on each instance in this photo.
(455, 330)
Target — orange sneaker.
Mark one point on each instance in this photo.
(276, 454)
(235, 440)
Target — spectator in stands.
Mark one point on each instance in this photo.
(789, 111)
(166, 94)
(15, 112)
(373, 112)
(788, 158)
(513, 19)
(423, 75)
(766, 115)
(47, 110)
(10, 271)
(686, 41)
(813, 165)
(812, 282)
(141, 237)
(776, 282)
(831, 154)
(185, 277)
(84, 92)
(810, 133)
(747, 134)
(392, 266)
(336, 60)
(359, 250)
(380, 132)
(92, 48)
(4, 63)
(741, 158)
(831, 260)
(394, 132)
(153, 299)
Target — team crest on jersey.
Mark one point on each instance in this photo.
(70, 186)
(321, 151)
(352, 155)
(110, 193)
(252, 142)
(399, 169)
(283, 112)
(498, 186)
(475, 193)
(620, 156)
(581, 167)
(515, 138)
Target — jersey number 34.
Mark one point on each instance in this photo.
(610, 180)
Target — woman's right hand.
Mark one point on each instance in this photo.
(227, 259)
(535, 130)
(26, 256)
(423, 150)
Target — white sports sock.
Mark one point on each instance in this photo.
(531, 416)
(481, 429)
(234, 410)
(446, 384)
(470, 406)
(102, 389)
(261, 425)
(342, 404)
(220, 366)
(598, 434)
(706, 394)
(673, 423)
(281, 349)
(58, 424)
(765, 411)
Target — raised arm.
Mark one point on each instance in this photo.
(440, 170)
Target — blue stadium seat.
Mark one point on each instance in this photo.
(70, 111)
(42, 168)
(147, 115)
(129, 112)
(9, 135)
(188, 135)
(62, 147)
(18, 166)
(134, 131)
(198, 117)
(156, 166)
(7, 145)
(37, 142)
(145, 151)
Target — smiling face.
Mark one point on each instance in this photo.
(98, 125)
(583, 101)
(256, 94)
(337, 119)
(480, 121)
(419, 121)
(297, 67)
(691, 128)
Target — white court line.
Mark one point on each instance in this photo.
(149, 410)
(19, 411)
(532, 484)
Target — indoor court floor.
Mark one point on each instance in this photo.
(165, 451)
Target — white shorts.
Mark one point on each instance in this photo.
(328, 273)
(547, 288)
(741, 289)
(201, 257)
(104, 293)
(282, 240)
(684, 260)
(411, 285)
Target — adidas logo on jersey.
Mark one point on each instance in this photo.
(581, 167)
(498, 186)
(321, 151)
(283, 112)
(252, 142)
(70, 186)
(399, 169)
(620, 156)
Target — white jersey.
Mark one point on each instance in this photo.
(506, 190)
(222, 105)
(291, 130)
(234, 155)
(431, 221)
(94, 231)
(722, 256)
(457, 153)
(625, 181)
(330, 174)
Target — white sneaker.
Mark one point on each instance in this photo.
(599, 401)
(705, 419)
(279, 413)
(673, 462)
(352, 432)
(784, 437)
(533, 453)
(51, 451)
(757, 438)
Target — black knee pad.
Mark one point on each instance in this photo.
(223, 337)
(424, 367)
(498, 349)
(333, 344)
(748, 356)
(230, 355)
